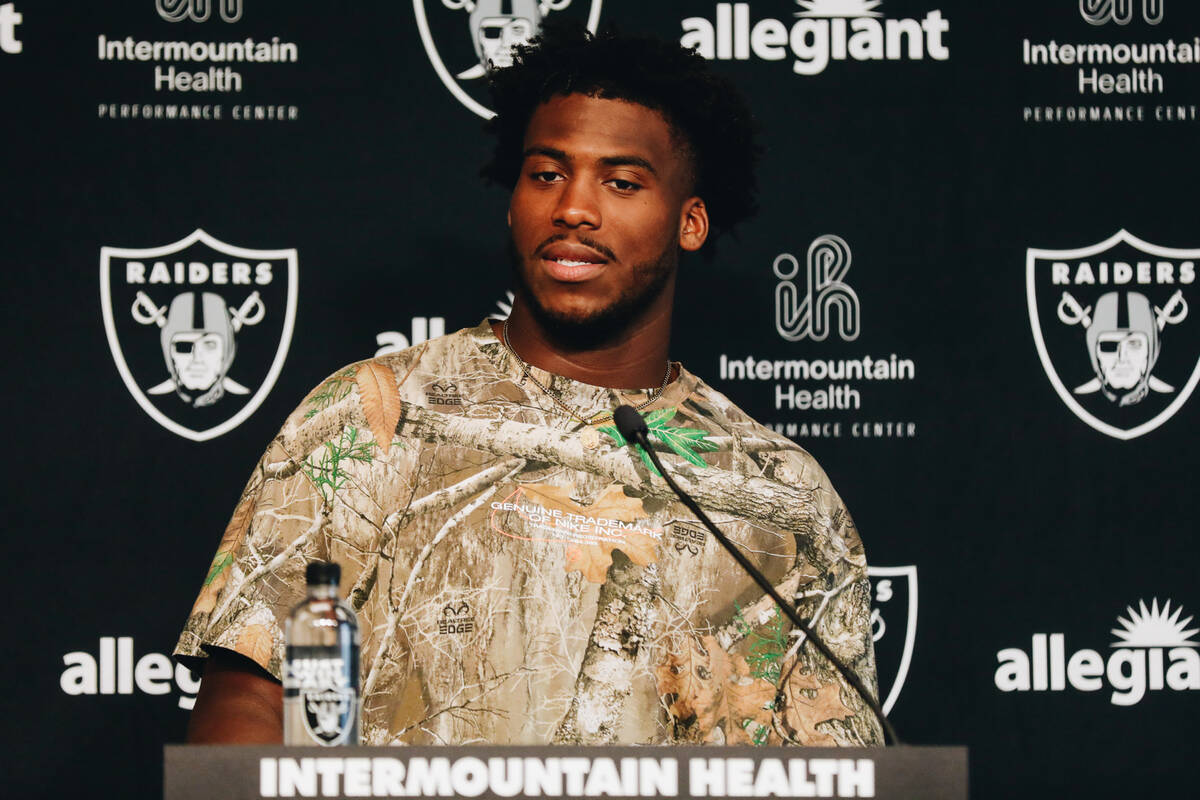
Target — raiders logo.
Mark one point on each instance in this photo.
(1112, 327)
(893, 627)
(199, 329)
(328, 714)
(471, 34)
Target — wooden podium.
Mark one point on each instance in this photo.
(204, 772)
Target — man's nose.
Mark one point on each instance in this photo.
(577, 206)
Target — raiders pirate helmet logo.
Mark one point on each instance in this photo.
(198, 342)
(199, 329)
(474, 35)
(329, 714)
(1122, 338)
(1112, 327)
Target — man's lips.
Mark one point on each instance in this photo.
(572, 263)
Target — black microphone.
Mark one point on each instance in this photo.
(631, 425)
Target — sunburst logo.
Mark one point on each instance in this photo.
(1154, 627)
(839, 8)
(503, 307)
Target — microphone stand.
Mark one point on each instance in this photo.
(633, 427)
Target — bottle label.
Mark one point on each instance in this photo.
(321, 687)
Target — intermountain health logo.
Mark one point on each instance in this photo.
(1102, 12)
(808, 313)
(462, 37)
(813, 301)
(199, 329)
(815, 33)
(1112, 327)
(193, 72)
(1116, 66)
(198, 10)
(1154, 651)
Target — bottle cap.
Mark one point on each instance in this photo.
(322, 572)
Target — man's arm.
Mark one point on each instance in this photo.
(238, 703)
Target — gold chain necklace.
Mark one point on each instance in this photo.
(598, 417)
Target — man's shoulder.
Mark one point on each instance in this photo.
(730, 414)
(421, 374)
(785, 459)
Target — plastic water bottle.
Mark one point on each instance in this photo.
(321, 705)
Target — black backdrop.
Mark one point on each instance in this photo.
(1016, 516)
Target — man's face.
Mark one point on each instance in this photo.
(198, 358)
(600, 210)
(1124, 357)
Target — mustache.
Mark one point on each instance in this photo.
(583, 240)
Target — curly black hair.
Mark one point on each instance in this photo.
(707, 113)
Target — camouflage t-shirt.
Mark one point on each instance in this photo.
(521, 578)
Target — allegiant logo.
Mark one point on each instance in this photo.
(823, 31)
(115, 671)
(1154, 652)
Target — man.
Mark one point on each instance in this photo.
(521, 576)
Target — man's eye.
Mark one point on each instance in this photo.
(623, 185)
(545, 176)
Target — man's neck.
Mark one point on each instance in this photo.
(634, 359)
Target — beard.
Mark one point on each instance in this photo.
(581, 330)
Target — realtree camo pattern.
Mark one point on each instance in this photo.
(522, 579)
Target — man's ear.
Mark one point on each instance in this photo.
(693, 224)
